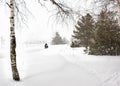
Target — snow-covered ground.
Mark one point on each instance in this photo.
(59, 65)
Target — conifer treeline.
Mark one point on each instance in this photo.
(99, 38)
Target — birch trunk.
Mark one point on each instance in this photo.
(13, 43)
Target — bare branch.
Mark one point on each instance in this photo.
(62, 8)
(39, 1)
(8, 5)
(16, 7)
(22, 12)
(64, 13)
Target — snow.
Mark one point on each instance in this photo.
(59, 65)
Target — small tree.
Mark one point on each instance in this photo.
(83, 32)
(58, 39)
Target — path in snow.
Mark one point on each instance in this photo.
(49, 68)
(61, 66)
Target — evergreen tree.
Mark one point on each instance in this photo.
(107, 36)
(58, 39)
(83, 32)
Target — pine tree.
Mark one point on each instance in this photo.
(83, 32)
(58, 39)
(107, 36)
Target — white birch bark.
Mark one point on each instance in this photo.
(13, 42)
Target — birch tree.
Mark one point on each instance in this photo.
(13, 42)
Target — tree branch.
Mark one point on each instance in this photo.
(8, 5)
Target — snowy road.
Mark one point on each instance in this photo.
(61, 66)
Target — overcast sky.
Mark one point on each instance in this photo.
(41, 24)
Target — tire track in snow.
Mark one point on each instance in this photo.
(80, 65)
(113, 79)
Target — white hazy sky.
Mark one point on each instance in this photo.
(40, 25)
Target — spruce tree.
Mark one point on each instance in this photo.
(83, 32)
(107, 36)
(58, 39)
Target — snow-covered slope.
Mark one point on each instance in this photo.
(60, 65)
